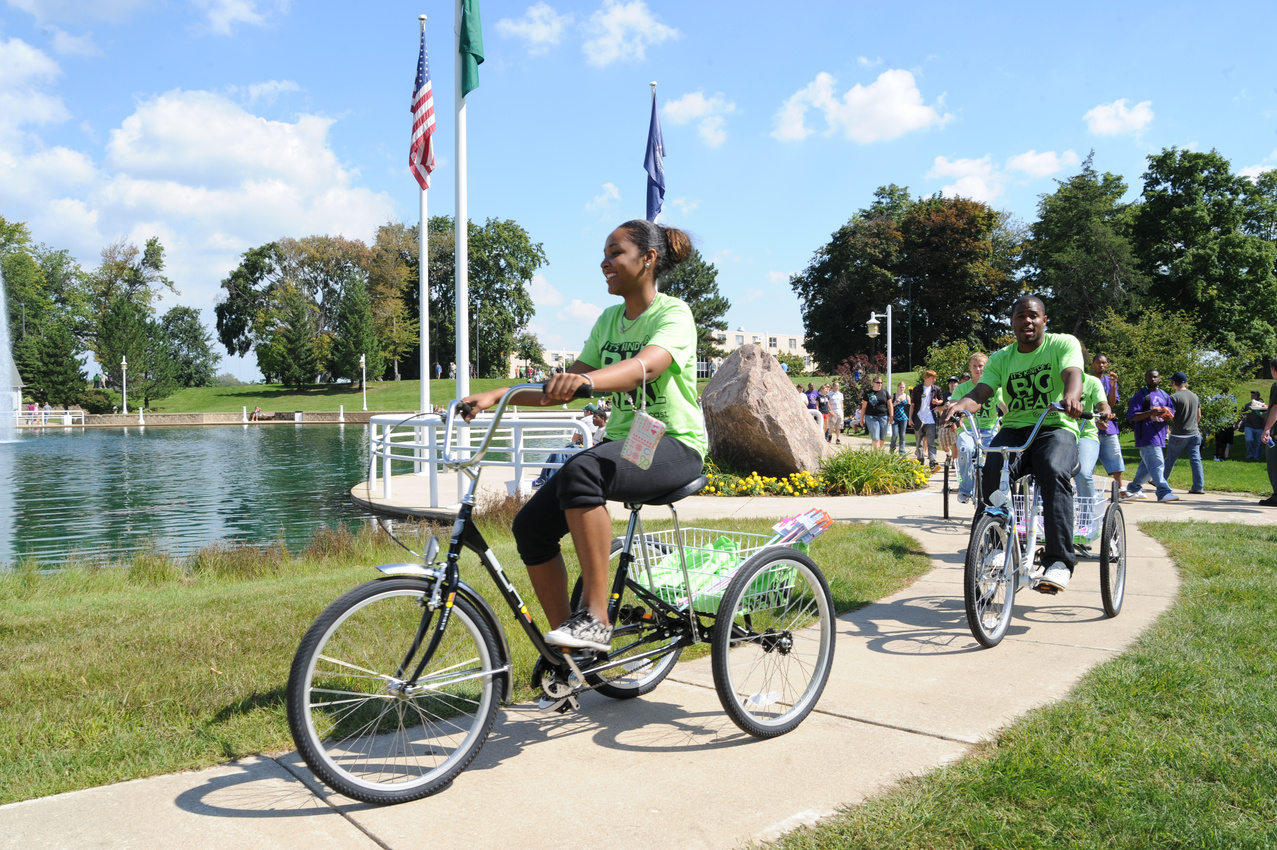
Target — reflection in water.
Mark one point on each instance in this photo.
(177, 489)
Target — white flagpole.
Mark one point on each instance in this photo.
(461, 230)
(423, 296)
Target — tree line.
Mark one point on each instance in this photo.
(58, 310)
(1196, 250)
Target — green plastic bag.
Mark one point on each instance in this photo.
(710, 571)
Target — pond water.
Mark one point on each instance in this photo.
(175, 489)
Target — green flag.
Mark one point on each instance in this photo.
(470, 44)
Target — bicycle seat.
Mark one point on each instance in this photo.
(675, 495)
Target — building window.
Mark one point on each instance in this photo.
(757, 339)
(807, 360)
(740, 339)
(793, 344)
(771, 342)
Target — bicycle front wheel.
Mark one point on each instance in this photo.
(773, 642)
(988, 582)
(1113, 561)
(361, 727)
(641, 640)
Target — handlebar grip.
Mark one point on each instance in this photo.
(584, 391)
(463, 408)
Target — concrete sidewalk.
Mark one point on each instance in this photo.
(910, 690)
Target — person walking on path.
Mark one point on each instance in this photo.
(1088, 453)
(900, 413)
(836, 401)
(1270, 426)
(1110, 446)
(1185, 434)
(1150, 411)
(875, 411)
(1252, 422)
(986, 421)
(924, 398)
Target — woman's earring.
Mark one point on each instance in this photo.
(647, 265)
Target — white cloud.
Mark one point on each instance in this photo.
(1111, 119)
(1267, 164)
(752, 295)
(223, 15)
(685, 206)
(78, 10)
(543, 292)
(580, 311)
(24, 70)
(885, 109)
(623, 31)
(709, 112)
(866, 62)
(1042, 164)
(65, 44)
(605, 201)
(268, 91)
(977, 179)
(778, 277)
(540, 27)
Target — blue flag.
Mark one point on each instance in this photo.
(652, 164)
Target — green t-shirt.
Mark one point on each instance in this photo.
(671, 398)
(1031, 382)
(1092, 394)
(987, 416)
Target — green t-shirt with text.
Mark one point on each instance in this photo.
(987, 416)
(1031, 382)
(1092, 394)
(671, 398)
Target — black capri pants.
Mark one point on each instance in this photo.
(591, 478)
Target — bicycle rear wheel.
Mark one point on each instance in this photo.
(1113, 561)
(988, 581)
(640, 639)
(360, 727)
(773, 642)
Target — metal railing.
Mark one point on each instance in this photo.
(525, 441)
(44, 418)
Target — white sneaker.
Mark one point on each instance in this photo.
(1133, 494)
(1169, 497)
(963, 498)
(1054, 579)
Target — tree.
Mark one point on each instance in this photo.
(244, 297)
(696, 283)
(1191, 237)
(136, 274)
(1079, 257)
(528, 348)
(848, 277)
(295, 341)
(355, 336)
(190, 347)
(125, 331)
(58, 377)
(395, 321)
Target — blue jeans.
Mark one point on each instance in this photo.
(1051, 459)
(1175, 446)
(1088, 454)
(966, 458)
(1111, 454)
(1152, 468)
(898, 430)
(877, 426)
(1254, 443)
(925, 431)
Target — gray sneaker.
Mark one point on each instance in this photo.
(1054, 579)
(582, 631)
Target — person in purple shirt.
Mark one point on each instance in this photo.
(1110, 448)
(1150, 410)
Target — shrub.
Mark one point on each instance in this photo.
(98, 401)
(753, 484)
(865, 472)
(1218, 412)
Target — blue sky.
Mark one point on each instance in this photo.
(219, 125)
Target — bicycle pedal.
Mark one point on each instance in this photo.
(1046, 589)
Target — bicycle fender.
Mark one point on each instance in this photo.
(480, 604)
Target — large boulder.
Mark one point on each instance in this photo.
(755, 419)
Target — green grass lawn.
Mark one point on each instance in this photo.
(110, 673)
(1172, 744)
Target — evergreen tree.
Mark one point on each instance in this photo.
(58, 378)
(191, 347)
(696, 283)
(356, 336)
(298, 360)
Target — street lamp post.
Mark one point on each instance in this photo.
(124, 381)
(872, 324)
(363, 380)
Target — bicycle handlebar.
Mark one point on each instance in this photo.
(1006, 450)
(459, 406)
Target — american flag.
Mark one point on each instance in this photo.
(421, 156)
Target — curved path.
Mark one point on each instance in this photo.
(910, 690)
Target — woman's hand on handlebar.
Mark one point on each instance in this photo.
(480, 402)
(564, 387)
